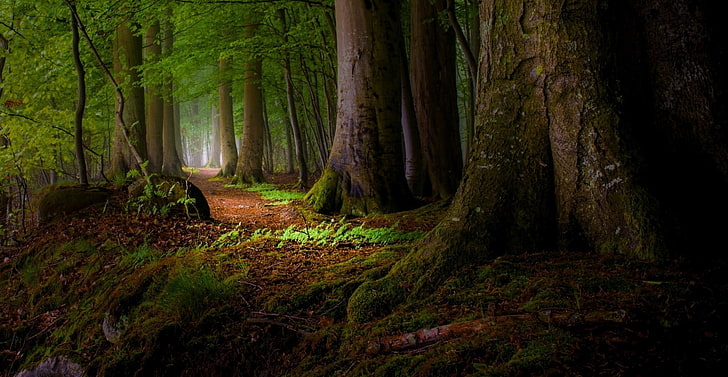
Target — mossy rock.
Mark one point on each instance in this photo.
(172, 191)
(59, 200)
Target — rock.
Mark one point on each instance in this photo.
(173, 189)
(58, 200)
(58, 366)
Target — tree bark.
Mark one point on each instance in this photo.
(435, 95)
(292, 114)
(81, 104)
(227, 126)
(250, 160)
(365, 172)
(171, 164)
(559, 145)
(155, 103)
(127, 60)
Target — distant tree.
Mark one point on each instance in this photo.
(214, 156)
(227, 128)
(365, 172)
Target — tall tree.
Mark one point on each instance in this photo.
(127, 62)
(227, 128)
(291, 102)
(155, 102)
(250, 160)
(556, 158)
(81, 101)
(365, 172)
(171, 164)
(434, 91)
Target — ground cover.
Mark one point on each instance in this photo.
(262, 290)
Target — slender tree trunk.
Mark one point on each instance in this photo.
(214, 157)
(435, 94)
(365, 171)
(415, 171)
(250, 160)
(292, 114)
(155, 103)
(227, 126)
(127, 60)
(81, 104)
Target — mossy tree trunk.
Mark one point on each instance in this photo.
(558, 159)
(435, 96)
(127, 60)
(250, 160)
(365, 171)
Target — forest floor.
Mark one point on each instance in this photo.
(262, 289)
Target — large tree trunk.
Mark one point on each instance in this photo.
(227, 126)
(250, 160)
(171, 164)
(155, 103)
(365, 172)
(127, 60)
(435, 96)
(556, 158)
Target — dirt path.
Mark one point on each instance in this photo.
(234, 205)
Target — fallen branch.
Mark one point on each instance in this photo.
(552, 317)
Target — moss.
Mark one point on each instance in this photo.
(325, 195)
(374, 299)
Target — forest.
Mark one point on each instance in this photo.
(363, 188)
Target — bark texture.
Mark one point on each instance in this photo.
(571, 98)
(127, 59)
(435, 96)
(365, 172)
(250, 160)
(155, 103)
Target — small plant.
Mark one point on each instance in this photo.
(159, 197)
(189, 294)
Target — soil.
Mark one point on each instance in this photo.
(234, 205)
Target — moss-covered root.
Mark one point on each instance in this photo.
(325, 195)
(437, 257)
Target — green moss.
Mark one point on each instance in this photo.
(374, 299)
(325, 195)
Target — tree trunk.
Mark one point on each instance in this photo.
(227, 126)
(171, 164)
(214, 157)
(560, 139)
(127, 60)
(155, 104)
(415, 171)
(435, 95)
(292, 113)
(365, 172)
(81, 104)
(250, 161)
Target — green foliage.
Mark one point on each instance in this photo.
(332, 234)
(190, 293)
(160, 198)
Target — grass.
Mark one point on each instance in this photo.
(269, 191)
